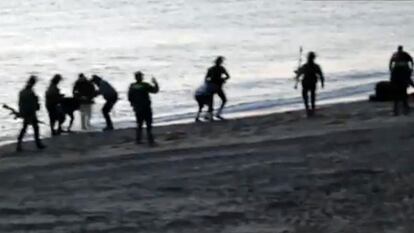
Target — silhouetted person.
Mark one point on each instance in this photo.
(85, 92)
(401, 66)
(28, 106)
(311, 72)
(53, 105)
(111, 97)
(218, 75)
(138, 96)
(204, 97)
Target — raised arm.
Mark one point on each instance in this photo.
(155, 87)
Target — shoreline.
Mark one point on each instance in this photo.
(236, 110)
(163, 126)
(165, 134)
(347, 169)
(172, 120)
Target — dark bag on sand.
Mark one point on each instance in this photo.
(384, 91)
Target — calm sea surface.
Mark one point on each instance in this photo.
(176, 41)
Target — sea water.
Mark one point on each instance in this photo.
(176, 41)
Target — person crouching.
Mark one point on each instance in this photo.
(204, 97)
(111, 97)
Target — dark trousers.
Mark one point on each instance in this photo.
(30, 120)
(222, 95)
(109, 104)
(56, 115)
(400, 96)
(144, 115)
(309, 89)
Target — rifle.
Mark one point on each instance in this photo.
(16, 113)
(299, 64)
(13, 111)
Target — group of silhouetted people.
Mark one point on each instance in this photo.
(86, 90)
(400, 66)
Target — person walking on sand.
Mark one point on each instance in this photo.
(28, 106)
(84, 91)
(111, 97)
(215, 76)
(138, 96)
(311, 72)
(401, 67)
(53, 105)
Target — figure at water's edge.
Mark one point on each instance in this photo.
(311, 73)
(84, 91)
(401, 68)
(140, 100)
(28, 107)
(215, 76)
(111, 97)
(204, 97)
(400, 65)
(53, 105)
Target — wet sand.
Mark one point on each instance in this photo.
(349, 169)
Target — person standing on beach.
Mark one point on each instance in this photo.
(215, 76)
(111, 97)
(84, 91)
(138, 96)
(28, 106)
(401, 67)
(53, 105)
(311, 72)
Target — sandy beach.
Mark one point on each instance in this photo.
(349, 169)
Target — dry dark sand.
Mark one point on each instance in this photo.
(350, 169)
